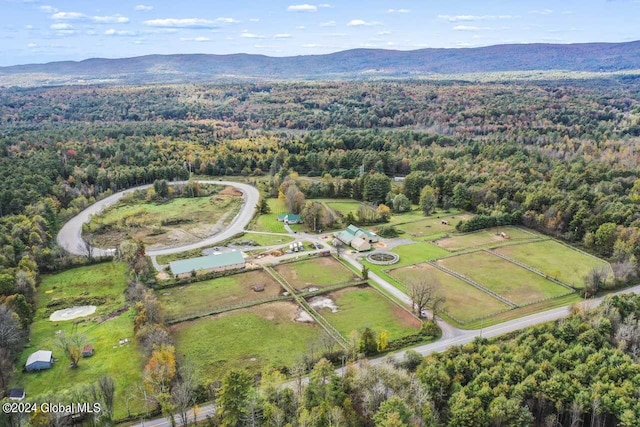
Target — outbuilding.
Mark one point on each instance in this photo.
(87, 350)
(16, 394)
(205, 264)
(360, 244)
(40, 360)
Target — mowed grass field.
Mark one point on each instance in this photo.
(509, 280)
(362, 307)
(556, 260)
(486, 237)
(198, 217)
(342, 206)
(106, 280)
(123, 363)
(210, 294)
(433, 225)
(254, 338)
(463, 301)
(414, 253)
(318, 272)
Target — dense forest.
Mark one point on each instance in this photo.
(560, 157)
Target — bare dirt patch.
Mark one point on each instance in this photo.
(230, 191)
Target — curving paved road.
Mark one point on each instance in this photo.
(70, 236)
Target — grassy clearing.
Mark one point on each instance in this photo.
(342, 206)
(317, 272)
(267, 239)
(554, 259)
(418, 252)
(195, 219)
(210, 294)
(269, 222)
(485, 237)
(106, 280)
(433, 225)
(254, 338)
(513, 282)
(366, 307)
(566, 300)
(415, 214)
(463, 301)
(123, 363)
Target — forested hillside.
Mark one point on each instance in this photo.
(559, 157)
(360, 63)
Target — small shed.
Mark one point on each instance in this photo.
(39, 360)
(87, 350)
(16, 394)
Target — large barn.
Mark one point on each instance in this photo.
(358, 238)
(206, 264)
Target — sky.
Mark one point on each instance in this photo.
(37, 31)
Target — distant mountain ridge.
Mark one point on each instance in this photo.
(356, 63)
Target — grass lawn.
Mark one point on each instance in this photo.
(433, 225)
(319, 272)
(269, 222)
(209, 294)
(123, 363)
(513, 282)
(107, 280)
(342, 206)
(486, 237)
(418, 252)
(267, 239)
(463, 301)
(198, 217)
(254, 338)
(365, 307)
(555, 259)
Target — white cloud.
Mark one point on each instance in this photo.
(195, 39)
(302, 8)
(398, 11)
(300, 27)
(470, 28)
(61, 26)
(458, 18)
(361, 23)
(68, 15)
(254, 19)
(28, 27)
(326, 5)
(311, 45)
(328, 24)
(114, 32)
(338, 35)
(282, 36)
(226, 20)
(48, 9)
(249, 35)
(384, 33)
(32, 45)
(143, 7)
(114, 19)
(541, 12)
(193, 23)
